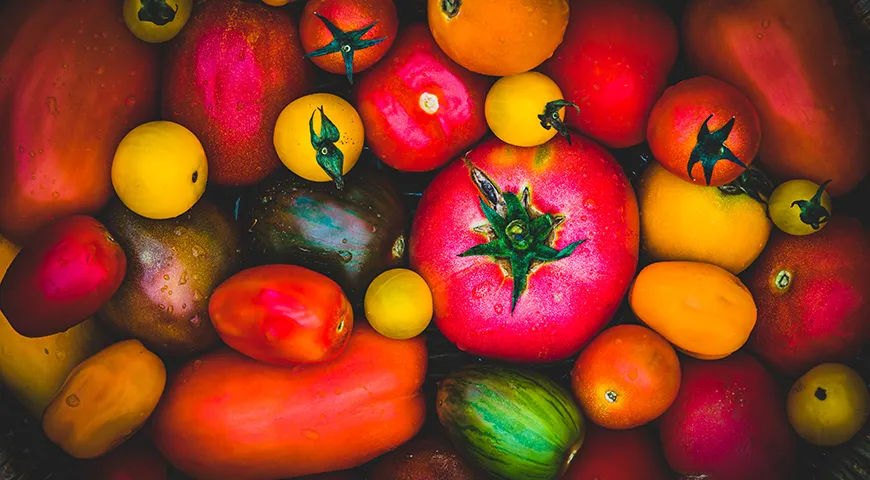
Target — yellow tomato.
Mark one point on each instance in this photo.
(156, 21)
(829, 404)
(277, 3)
(319, 137)
(398, 304)
(159, 170)
(526, 110)
(800, 207)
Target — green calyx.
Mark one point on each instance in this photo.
(328, 156)
(710, 149)
(517, 235)
(346, 43)
(812, 211)
(550, 118)
(752, 182)
(450, 7)
(157, 12)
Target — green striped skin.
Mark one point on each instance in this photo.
(517, 424)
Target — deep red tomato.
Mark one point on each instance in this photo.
(704, 131)
(419, 108)
(512, 216)
(62, 276)
(135, 459)
(346, 37)
(614, 63)
(282, 314)
(619, 455)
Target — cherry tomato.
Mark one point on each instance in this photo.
(800, 207)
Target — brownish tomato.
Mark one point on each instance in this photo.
(704, 131)
(282, 314)
(346, 37)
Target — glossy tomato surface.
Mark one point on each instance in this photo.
(419, 108)
(282, 314)
(566, 301)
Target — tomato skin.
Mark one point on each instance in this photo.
(672, 131)
(349, 16)
(614, 63)
(64, 274)
(618, 455)
(135, 459)
(391, 97)
(792, 61)
(75, 80)
(566, 303)
(282, 314)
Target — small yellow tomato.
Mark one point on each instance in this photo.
(319, 137)
(829, 404)
(398, 304)
(159, 170)
(156, 21)
(800, 207)
(526, 109)
(277, 3)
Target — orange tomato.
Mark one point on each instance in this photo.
(626, 377)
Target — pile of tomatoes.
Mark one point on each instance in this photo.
(618, 214)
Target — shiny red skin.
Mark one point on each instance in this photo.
(282, 314)
(729, 422)
(614, 63)
(566, 302)
(228, 75)
(135, 459)
(618, 455)
(73, 82)
(824, 315)
(349, 16)
(672, 132)
(388, 98)
(62, 276)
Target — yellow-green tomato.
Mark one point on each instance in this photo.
(800, 207)
(159, 170)
(526, 109)
(156, 21)
(829, 404)
(398, 304)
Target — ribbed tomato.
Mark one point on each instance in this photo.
(528, 251)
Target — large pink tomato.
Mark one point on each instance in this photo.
(528, 251)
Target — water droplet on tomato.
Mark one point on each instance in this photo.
(130, 101)
(73, 401)
(197, 364)
(195, 320)
(498, 309)
(765, 23)
(171, 308)
(310, 434)
(51, 103)
(100, 70)
(760, 36)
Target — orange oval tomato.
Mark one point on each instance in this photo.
(282, 314)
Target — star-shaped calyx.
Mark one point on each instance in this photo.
(157, 12)
(517, 233)
(346, 43)
(328, 156)
(710, 148)
(550, 118)
(812, 211)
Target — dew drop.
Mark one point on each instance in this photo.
(21, 148)
(166, 277)
(161, 306)
(170, 309)
(130, 101)
(197, 364)
(759, 36)
(73, 401)
(310, 434)
(183, 279)
(498, 309)
(51, 103)
(100, 70)
(765, 23)
(195, 320)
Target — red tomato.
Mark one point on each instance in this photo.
(282, 314)
(135, 459)
(614, 63)
(419, 108)
(565, 300)
(346, 37)
(64, 274)
(704, 131)
(618, 455)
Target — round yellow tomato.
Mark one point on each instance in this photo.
(526, 109)
(829, 404)
(156, 21)
(319, 137)
(277, 3)
(398, 304)
(800, 207)
(159, 170)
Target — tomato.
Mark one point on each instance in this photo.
(614, 64)
(514, 243)
(227, 76)
(282, 314)
(74, 81)
(800, 207)
(319, 137)
(618, 455)
(136, 459)
(417, 122)
(64, 274)
(704, 131)
(156, 21)
(398, 304)
(526, 110)
(342, 36)
(791, 59)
